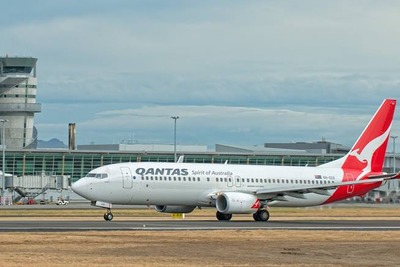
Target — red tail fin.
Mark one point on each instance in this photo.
(368, 153)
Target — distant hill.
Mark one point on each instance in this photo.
(52, 143)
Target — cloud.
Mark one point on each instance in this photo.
(237, 70)
(200, 38)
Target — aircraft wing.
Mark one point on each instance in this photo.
(388, 176)
(298, 190)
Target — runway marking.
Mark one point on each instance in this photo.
(305, 228)
(200, 225)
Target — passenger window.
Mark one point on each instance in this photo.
(216, 179)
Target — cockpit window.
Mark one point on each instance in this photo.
(97, 175)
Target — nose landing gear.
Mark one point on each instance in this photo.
(108, 216)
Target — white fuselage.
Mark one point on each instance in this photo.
(189, 184)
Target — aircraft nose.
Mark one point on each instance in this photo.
(80, 187)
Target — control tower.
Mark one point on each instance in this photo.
(18, 85)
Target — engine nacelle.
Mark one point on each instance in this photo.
(237, 202)
(175, 209)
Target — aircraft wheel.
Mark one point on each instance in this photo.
(108, 216)
(255, 216)
(223, 217)
(262, 215)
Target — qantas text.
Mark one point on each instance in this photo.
(161, 171)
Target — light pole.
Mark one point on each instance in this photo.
(394, 152)
(3, 145)
(175, 118)
(394, 157)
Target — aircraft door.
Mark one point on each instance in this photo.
(127, 180)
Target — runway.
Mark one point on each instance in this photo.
(185, 225)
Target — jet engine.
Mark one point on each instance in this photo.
(175, 209)
(237, 202)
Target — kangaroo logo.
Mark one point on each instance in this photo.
(365, 156)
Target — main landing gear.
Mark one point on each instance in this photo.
(108, 216)
(261, 215)
(223, 217)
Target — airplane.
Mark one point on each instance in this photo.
(178, 187)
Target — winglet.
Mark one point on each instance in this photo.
(180, 159)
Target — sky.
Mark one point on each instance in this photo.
(235, 72)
